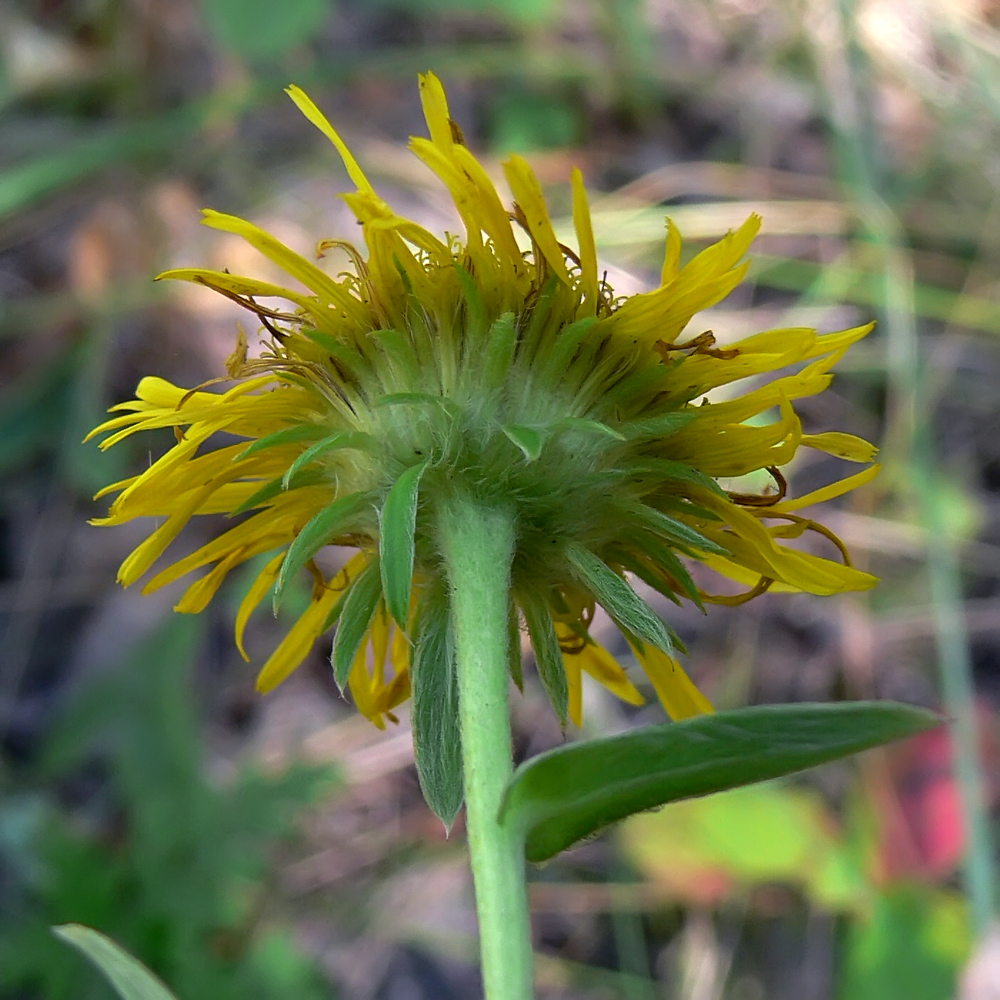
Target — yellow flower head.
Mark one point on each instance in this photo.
(516, 377)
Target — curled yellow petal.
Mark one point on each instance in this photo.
(574, 686)
(585, 240)
(846, 446)
(294, 264)
(606, 670)
(262, 583)
(584, 655)
(839, 488)
(435, 104)
(198, 595)
(528, 195)
(672, 255)
(677, 692)
(736, 449)
(295, 647)
(373, 695)
(702, 282)
(305, 104)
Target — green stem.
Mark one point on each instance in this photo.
(959, 698)
(908, 439)
(478, 545)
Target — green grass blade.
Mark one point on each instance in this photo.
(130, 978)
(29, 183)
(866, 288)
(559, 797)
(396, 542)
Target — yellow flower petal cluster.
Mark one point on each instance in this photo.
(514, 375)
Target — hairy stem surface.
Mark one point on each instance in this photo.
(478, 546)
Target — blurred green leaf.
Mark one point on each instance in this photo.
(521, 122)
(559, 797)
(51, 411)
(278, 960)
(527, 11)
(867, 288)
(179, 878)
(912, 945)
(752, 835)
(30, 182)
(130, 978)
(33, 415)
(261, 29)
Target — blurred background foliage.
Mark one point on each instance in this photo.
(279, 847)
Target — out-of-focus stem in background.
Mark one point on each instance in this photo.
(908, 449)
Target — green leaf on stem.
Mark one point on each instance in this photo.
(566, 344)
(683, 536)
(418, 399)
(559, 797)
(130, 978)
(476, 313)
(398, 350)
(679, 472)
